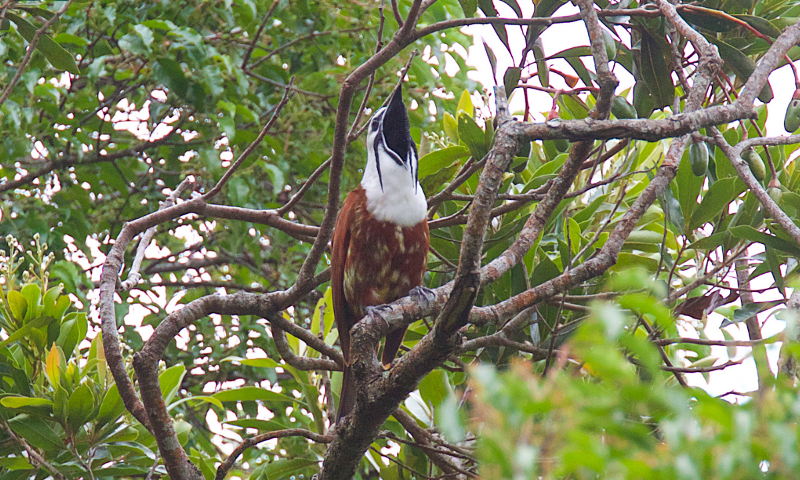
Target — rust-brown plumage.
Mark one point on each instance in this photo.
(374, 262)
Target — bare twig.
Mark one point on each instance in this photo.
(223, 469)
(133, 274)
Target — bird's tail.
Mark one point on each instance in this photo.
(347, 399)
(393, 341)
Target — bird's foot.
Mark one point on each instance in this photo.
(422, 295)
(378, 311)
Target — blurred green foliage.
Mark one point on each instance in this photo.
(602, 417)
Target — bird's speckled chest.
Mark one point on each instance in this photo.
(384, 260)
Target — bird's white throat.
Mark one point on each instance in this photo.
(395, 195)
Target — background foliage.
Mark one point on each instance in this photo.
(122, 100)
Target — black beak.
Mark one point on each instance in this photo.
(396, 130)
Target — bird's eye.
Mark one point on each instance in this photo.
(375, 122)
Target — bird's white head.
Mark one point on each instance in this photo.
(390, 178)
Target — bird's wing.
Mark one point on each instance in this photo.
(341, 244)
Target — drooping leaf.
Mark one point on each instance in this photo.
(55, 53)
(655, 71)
(488, 9)
(511, 79)
(742, 65)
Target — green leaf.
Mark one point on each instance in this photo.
(18, 304)
(487, 6)
(433, 182)
(50, 300)
(111, 407)
(511, 79)
(70, 38)
(655, 71)
(469, 7)
(434, 388)
(37, 432)
(741, 65)
(265, 362)
(170, 381)
(286, 468)
(170, 74)
(113, 178)
(32, 294)
(80, 407)
(749, 310)
(198, 399)
(710, 19)
(165, 25)
(145, 33)
(260, 425)
(718, 196)
(644, 303)
(72, 332)
(16, 401)
(761, 24)
(689, 187)
(514, 6)
(573, 56)
(747, 232)
(775, 268)
(492, 59)
(435, 161)
(55, 53)
(26, 330)
(245, 394)
(472, 135)
(708, 243)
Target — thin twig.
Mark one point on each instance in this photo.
(246, 153)
(249, 52)
(133, 274)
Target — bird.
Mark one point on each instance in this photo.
(380, 242)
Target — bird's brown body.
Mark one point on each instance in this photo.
(373, 262)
